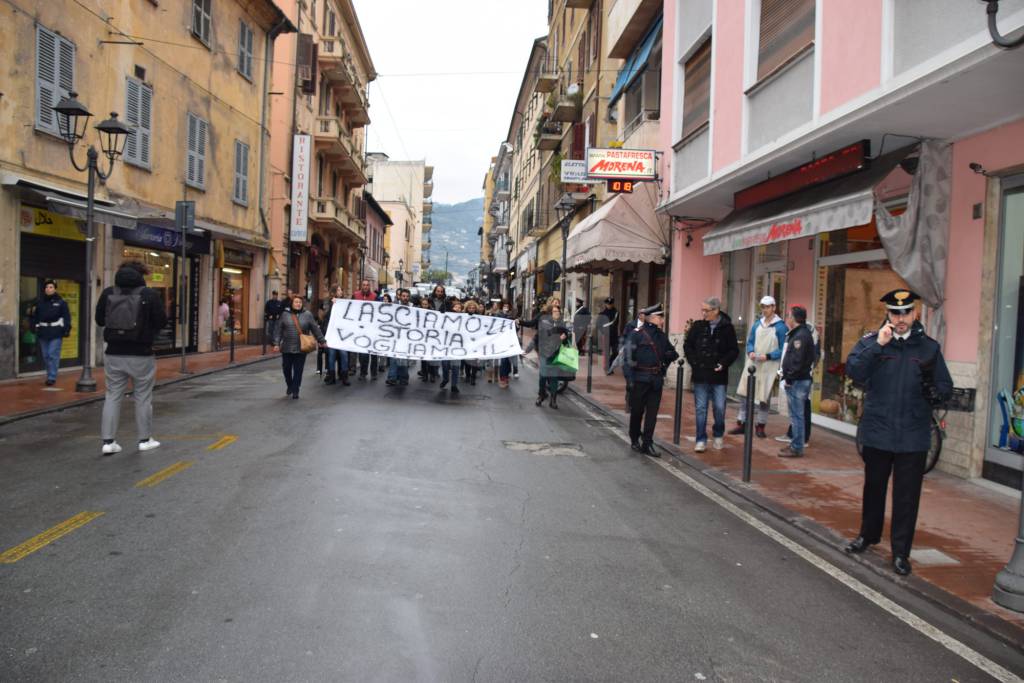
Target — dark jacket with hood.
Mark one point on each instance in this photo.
(897, 413)
(152, 316)
(800, 354)
(51, 318)
(706, 349)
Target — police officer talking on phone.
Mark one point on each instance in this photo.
(904, 376)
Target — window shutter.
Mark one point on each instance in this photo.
(787, 27)
(55, 76)
(190, 155)
(697, 89)
(241, 191)
(131, 116)
(201, 126)
(195, 166)
(144, 129)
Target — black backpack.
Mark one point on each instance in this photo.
(124, 315)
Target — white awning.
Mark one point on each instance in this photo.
(101, 214)
(626, 229)
(835, 205)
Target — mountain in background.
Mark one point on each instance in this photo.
(454, 231)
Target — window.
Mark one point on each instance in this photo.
(634, 100)
(245, 49)
(595, 33)
(241, 191)
(195, 158)
(55, 76)
(201, 20)
(138, 110)
(697, 89)
(787, 30)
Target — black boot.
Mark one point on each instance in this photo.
(553, 402)
(329, 378)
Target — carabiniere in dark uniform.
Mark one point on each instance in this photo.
(904, 376)
(648, 353)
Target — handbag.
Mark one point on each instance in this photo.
(567, 358)
(307, 342)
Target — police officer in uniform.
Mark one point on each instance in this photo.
(648, 353)
(904, 375)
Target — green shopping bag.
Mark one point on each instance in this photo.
(567, 358)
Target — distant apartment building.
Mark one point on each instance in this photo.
(403, 189)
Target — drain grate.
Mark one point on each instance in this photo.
(546, 448)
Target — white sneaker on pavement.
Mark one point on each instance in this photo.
(149, 444)
(701, 446)
(783, 439)
(111, 448)
(718, 443)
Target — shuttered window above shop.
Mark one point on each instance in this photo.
(786, 31)
(195, 157)
(202, 20)
(241, 190)
(55, 76)
(246, 37)
(139, 113)
(697, 89)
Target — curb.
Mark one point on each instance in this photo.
(986, 622)
(8, 419)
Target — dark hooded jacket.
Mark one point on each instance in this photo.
(152, 316)
(706, 349)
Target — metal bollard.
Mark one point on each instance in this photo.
(748, 426)
(590, 363)
(231, 326)
(678, 423)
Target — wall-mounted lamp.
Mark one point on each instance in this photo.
(979, 169)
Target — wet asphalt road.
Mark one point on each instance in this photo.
(397, 534)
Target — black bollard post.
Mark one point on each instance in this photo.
(590, 363)
(678, 424)
(263, 338)
(748, 426)
(231, 326)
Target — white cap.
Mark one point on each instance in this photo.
(767, 301)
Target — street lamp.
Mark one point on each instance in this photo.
(508, 268)
(565, 209)
(387, 259)
(362, 263)
(72, 121)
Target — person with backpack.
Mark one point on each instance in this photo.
(130, 314)
(51, 322)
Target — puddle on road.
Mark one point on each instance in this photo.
(549, 449)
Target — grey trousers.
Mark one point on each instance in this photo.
(118, 370)
(760, 408)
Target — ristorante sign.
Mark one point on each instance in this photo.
(613, 164)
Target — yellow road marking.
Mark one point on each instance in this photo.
(153, 480)
(47, 537)
(224, 441)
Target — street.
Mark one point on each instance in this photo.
(373, 533)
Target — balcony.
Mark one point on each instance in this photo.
(565, 108)
(501, 191)
(428, 189)
(428, 224)
(331, 214)
(335, 61)
(643, 131)
(547, 78)
(579, 4)
(425, 245)
(629, 20)
(337, 146)
(428, 174)
(549, 135)
(500, 226)
(428, 207)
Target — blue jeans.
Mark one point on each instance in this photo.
(700, 399)
(796, 398)
(49, 349)
(450, 370)
(505, 368)
(337, 359)
(398, 370)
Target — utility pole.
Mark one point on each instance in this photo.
(447, 277)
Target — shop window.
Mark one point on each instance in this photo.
(697, 90)
(786, 31)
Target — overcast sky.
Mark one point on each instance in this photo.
(449, 72)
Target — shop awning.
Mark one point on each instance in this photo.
(636, 63)
(625, 230)
(101, 214)
(843, 203)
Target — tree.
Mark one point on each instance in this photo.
(436, 275)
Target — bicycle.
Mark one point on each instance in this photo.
(938, 430)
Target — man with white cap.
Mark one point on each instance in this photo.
(764, 352)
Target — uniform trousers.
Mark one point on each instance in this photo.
(907, 471)
(644, 401)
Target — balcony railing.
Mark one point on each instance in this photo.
(547, 77)
(549, 135)
(428, 189)
(339, 148)
(428, 206)
(330, 212)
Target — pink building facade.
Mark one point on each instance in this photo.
(793, 129)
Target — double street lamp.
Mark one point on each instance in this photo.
(72, 121)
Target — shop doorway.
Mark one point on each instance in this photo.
(1004, 452)
(165, 272)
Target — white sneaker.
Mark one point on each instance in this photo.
(148, 444)
(701, 446)
(111, 448)
(718, 443)
(783, 439)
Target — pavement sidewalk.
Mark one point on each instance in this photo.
(28, 396)
(965, 530)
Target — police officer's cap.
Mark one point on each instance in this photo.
(609, 300)
(900, 300)
(656, 309)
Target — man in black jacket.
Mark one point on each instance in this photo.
(51, 320)
(608, 328)
(798, 357)
(131, 314)
(710, 349)
(648, 353)
(904, 375)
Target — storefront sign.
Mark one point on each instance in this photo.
(829, 167)
(238, 257)
(574, 171)
(411, 333)
(299, 230)
(162, 239)
(43, 222)
(635, 164)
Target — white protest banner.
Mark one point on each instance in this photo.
(417, 333)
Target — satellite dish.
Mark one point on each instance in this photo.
(573, 89)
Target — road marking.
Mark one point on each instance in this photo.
(47, 537)
(906, 616)
(222, 442)
(152, 480)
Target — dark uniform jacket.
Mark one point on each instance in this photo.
(800, 355)
(705, 350)
(648, 353)
(897, 415)
(153, 316)
(51, 318)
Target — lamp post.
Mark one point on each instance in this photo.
(387, 259)
(72, 121)
(400, 273)
(565, 211)
(362, 263)
(508, 269)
